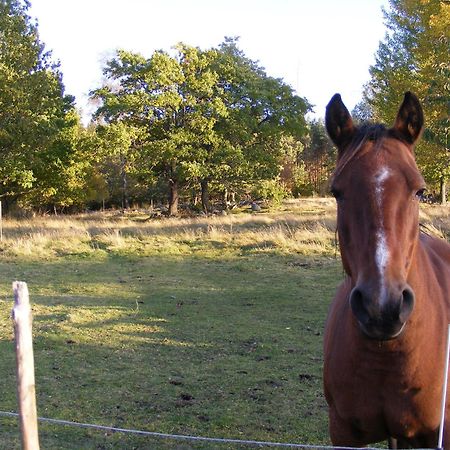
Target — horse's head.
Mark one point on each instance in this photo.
(377, 187)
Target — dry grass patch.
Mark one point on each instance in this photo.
(436, 219)
(300, 231)
(304, 226)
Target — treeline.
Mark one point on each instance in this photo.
(204, 129)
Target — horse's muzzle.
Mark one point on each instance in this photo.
(382, 318)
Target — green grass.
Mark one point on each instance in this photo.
(208, 327)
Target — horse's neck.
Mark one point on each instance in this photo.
(432, 258)
(429, 277)
(437, 247)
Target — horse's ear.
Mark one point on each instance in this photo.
(409, 121)
(339, 123)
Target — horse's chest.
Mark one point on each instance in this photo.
(401, 405)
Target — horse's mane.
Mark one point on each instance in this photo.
(365, 132)
(370, 131)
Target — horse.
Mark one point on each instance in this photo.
(385, 334)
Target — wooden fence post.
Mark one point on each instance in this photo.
(26, 395)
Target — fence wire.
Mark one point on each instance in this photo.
(181, 437)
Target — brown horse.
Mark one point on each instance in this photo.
(385, 337)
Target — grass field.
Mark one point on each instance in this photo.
(202, 326)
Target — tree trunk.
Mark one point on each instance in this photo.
(205, 196)
(195, 199)
(123, 174)
(225, 198)
(173, 197)
(443, 191)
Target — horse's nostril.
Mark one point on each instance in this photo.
(358, 306)
(407, 304)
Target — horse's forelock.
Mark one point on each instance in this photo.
(363, 134)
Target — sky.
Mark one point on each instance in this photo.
(318, 47)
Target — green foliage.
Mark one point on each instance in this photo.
(205, 118)
(36, 119)
(414, 56)
(315, 163)
(119, 154)
(172, 102)
(62, 169)
(270, 190)
(263, 110)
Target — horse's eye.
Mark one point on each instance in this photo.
(420, 194)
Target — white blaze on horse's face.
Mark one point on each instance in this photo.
(382, 250)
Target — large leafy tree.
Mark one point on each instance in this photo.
(174, 103)
(414, 56)
(33, 108)
(206, 117)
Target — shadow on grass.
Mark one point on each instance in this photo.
(188, 345)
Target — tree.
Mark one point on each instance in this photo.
(33, 106)
(414, 56)
(119, 144)
(316, 161)
(362, 112)
(205, 117)
(61, 170)
(172, 101)
(262, 113)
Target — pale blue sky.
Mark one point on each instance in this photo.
(319, 47)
